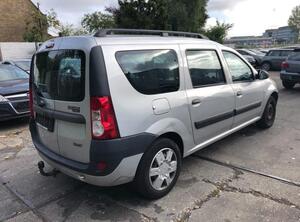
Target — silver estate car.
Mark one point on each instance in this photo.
(128, 105)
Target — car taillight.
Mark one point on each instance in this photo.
(31, 102)
(284, 65)
(103, 120)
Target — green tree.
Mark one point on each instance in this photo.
(140, 14)
(187, 15)
(69, 30)
(37, 25)
(177, 15)
(97, 20)
(294, 20)
(218, 32)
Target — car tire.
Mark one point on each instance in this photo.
(266, 66)
(155, 176)
(269, 114)
(288, 84)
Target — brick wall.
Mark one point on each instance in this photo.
(13, 17)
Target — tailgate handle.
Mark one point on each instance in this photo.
(68, 117)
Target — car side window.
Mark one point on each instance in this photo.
(205, 68)
(150, 71)
(285, 53)
(239, 70)
(274, 53)
(242, 52)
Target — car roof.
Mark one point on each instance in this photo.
(130, 39)
(281, 50)
(111, 40)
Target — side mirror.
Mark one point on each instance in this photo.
(262, 74)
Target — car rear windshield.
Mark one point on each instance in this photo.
(10, 72)
(151, 71)
(59, 75)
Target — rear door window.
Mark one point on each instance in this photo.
(205, 68)
(59, 75)
(150, 71)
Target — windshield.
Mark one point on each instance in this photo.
(10, 72)
(25, 65)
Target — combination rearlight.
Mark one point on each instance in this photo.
(103, 120)
(284, 65)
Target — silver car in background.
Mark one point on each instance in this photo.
(128, 105)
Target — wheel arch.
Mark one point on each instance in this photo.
(275, 95)
(176, 138)
(267, 62)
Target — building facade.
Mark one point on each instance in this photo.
(253, 41)
(283, 34)
(14, 14)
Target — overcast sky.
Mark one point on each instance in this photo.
(250, 17)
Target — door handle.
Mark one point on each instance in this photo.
(239, 93)
(196, 102)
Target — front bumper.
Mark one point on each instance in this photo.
(10, 110)
(121, 156)
(288, 76)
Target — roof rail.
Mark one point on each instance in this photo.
(114, 31)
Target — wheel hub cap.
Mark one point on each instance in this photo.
(271, 112)
(163, 169)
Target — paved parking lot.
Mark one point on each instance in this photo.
(253, 175)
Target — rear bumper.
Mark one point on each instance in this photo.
(289, 76)
(124, 173)
(8, 112)
(121, 156)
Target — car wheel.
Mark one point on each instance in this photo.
(269, 114)
(266, 66)
(159, 169)
(288, 84)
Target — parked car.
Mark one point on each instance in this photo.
(264, 51)
(14, 87)
(256, 55)
(274, 58)
(113, 108)
(21, 63)
(250, 59)
(259, 52)
(290, 72)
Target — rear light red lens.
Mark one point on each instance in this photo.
(103, 120)
(30, 102)
(101, 166)
(284, 65)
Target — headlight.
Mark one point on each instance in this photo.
(2, 99)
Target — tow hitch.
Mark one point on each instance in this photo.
(52, 173)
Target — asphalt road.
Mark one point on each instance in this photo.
(253, 175)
